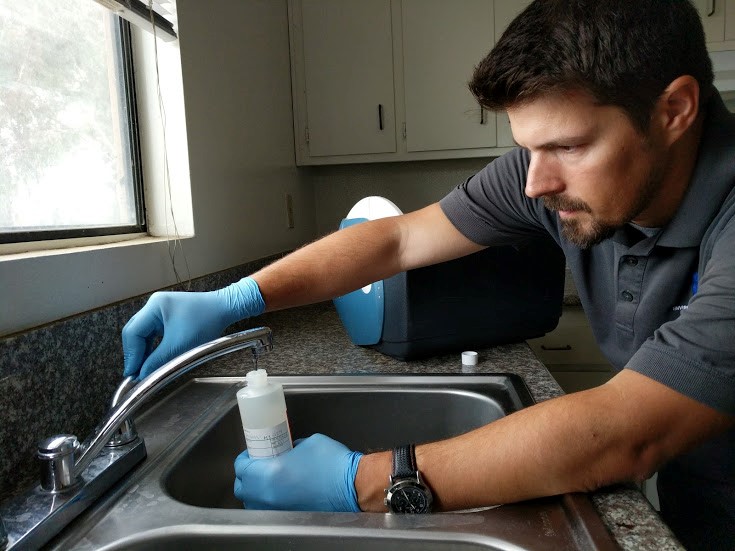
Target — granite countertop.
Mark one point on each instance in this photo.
(311, 340)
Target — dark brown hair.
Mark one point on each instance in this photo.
(622, 52)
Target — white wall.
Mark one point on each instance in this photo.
(410, 185)
(235, 65)
(235, 62)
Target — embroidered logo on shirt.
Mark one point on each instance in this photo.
(695, 287)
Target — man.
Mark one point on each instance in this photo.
(627, 159)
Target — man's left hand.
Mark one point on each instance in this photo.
(317, 475)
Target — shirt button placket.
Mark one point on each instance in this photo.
(629, 280)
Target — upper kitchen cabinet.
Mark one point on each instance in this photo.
(342, 69)
(730, 25)
(505, 12)
(442, 42)
(718, 18)
(386, 80)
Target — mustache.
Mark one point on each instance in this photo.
(559, 202)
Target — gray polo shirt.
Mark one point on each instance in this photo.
(662, 305)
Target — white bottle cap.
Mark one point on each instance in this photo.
(469, 358)
(257, 378)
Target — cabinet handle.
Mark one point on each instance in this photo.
(482, 115)
(380, 115)
(565, 347)
(710, 8)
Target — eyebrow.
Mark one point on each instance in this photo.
(553, 144)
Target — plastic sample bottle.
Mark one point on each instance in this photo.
(263, 413)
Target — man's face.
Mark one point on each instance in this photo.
(588, 163)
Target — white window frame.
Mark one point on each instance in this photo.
(42, 281)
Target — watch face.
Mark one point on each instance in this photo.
(409, 498)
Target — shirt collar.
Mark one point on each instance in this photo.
(712, 180)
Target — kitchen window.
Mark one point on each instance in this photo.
(68, 123)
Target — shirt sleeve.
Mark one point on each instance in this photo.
(491, 207)
(695, 353)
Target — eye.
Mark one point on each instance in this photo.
(569, 148)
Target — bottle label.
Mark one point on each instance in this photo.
(268, 442)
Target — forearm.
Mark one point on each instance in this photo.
(539, 451)
(558, 446)
(332, 266)
(620, 431)
(351, 258)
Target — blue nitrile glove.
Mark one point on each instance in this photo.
(185, 320)
(317, 475)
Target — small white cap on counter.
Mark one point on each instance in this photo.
(469, 358)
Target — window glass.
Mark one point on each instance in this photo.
(65, 130)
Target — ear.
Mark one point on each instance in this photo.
(677, 107)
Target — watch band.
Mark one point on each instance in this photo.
(407, 493)
(404, 461)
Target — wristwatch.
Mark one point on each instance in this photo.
(407, 493)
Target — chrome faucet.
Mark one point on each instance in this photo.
(73, 475)
(258, 340)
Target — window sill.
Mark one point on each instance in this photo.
(44, 286)
(39, 249)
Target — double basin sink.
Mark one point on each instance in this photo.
(181, 496)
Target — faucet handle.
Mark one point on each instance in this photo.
(127, 432)
(57, 463)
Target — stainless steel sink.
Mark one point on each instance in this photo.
(181, 496)
(360, 412)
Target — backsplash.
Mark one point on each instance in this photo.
(59, 378)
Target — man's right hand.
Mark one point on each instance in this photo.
(184, 320)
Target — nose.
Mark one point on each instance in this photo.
(543, 176)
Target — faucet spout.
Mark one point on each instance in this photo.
(126, 403)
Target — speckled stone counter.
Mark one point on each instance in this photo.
(311, 340)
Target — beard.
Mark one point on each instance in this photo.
(595, 230)
(585, 237)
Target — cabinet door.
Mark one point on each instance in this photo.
(712, 13)
(505, 12)
(730, 20)
(571, 354)
(442, 42)
(348, 73)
